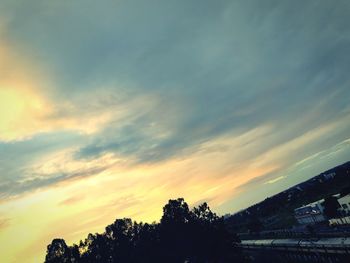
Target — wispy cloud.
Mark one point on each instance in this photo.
(4, 222)
(272, 181)
(122, 102)
(168, 88)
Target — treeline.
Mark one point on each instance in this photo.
(183, 235)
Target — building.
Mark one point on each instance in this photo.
(314, 212)
(344, 203)
(328, 176)
(344, 212)
(310, 213)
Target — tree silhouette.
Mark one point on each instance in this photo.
(196, 235)
(255, 225)
(331, 206)
(58, 251)
(176, 212)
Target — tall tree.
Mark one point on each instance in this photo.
(331, 206)
(57, 252)
(255, 225)
(196, 235)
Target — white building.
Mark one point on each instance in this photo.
(314, 212)
(329, 176)
(311, 213)
(344, 205)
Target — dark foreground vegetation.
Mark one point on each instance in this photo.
(183, 235)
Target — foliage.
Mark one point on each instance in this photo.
(255, 225)
(331, 206)
(183, 235)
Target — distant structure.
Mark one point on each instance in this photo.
(345, 205)
(310, 213)
(328, 176)
(314, 212)
(344, 210)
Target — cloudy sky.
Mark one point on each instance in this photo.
(109, 108)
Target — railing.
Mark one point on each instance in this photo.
(326, 246)
(280, 234)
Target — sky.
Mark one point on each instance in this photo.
(110, 108)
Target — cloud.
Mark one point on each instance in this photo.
(113, 102)
(53, 169)
(275, 180)
(26, 108)
(156, 86)
(21, 106)
(4, 222)
(71, 200)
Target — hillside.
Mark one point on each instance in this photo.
(276, 212)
